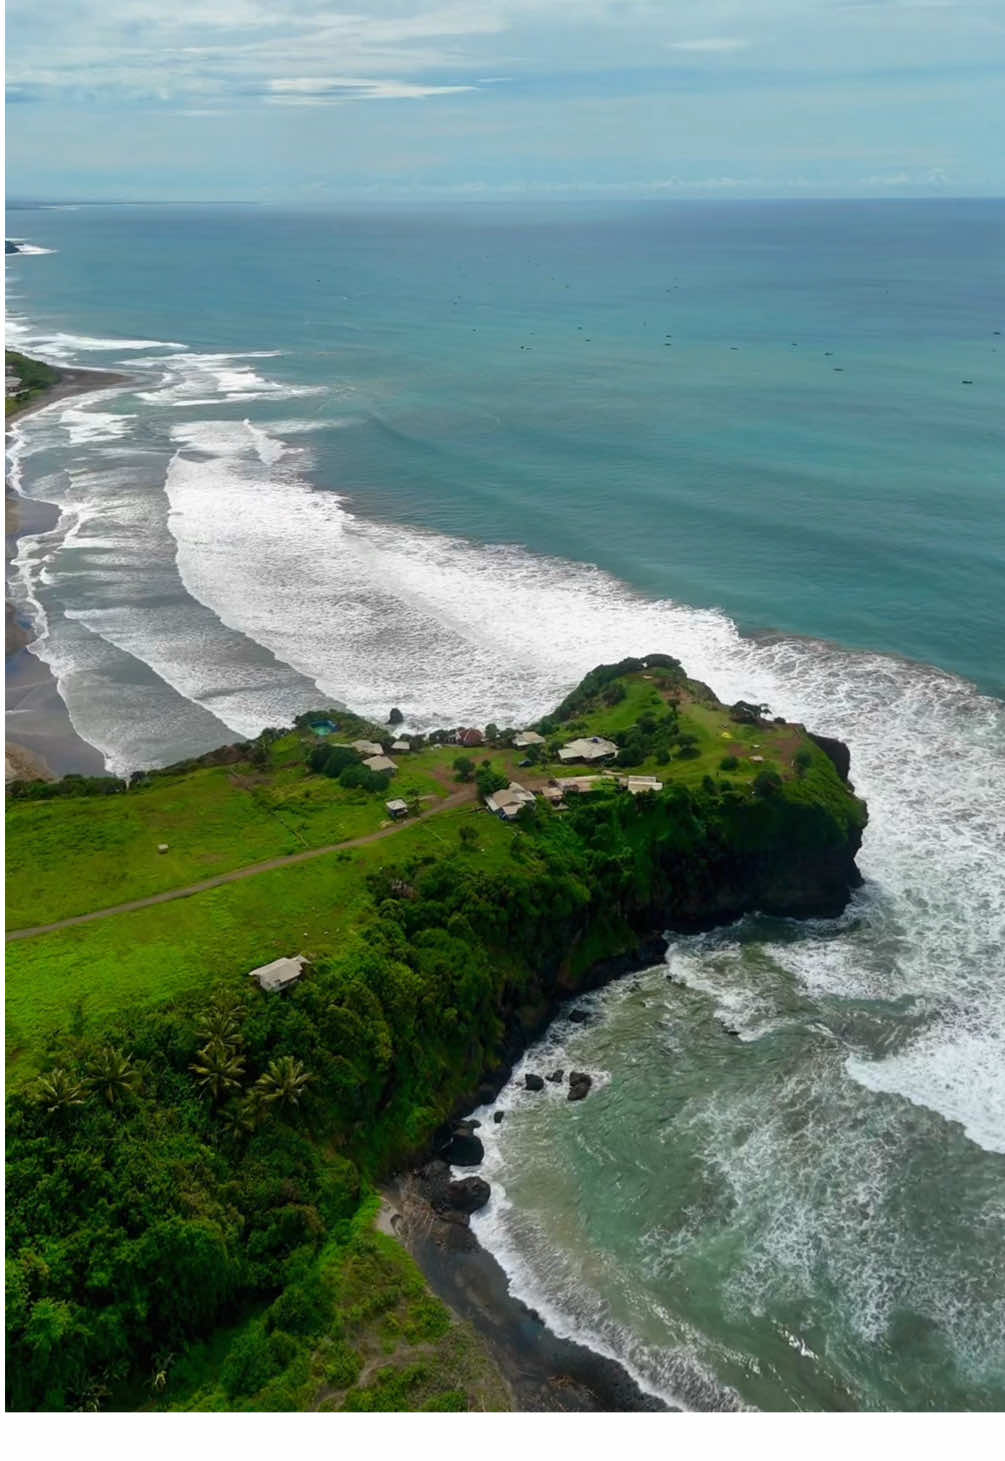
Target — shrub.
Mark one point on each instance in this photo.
(362, 778)
(465, 768)
(767, 783)
(729, 763)
(488, 780)
(803, 761)
(688, 753)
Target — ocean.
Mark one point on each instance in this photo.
(450, 459)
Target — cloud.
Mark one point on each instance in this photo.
(318, 90)
(711, 45)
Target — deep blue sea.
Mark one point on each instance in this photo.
(449, 459)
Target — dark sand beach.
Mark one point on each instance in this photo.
(40, 739)
(542, 1371)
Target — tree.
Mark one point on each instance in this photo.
(222, 1022)
(767, 783)
(468, 834)
(58, 1091)
(113, 1075)
(218, 1069)
(240, 1118)
(284, 1082)
(491, 731)
(465, 768)
(488, 780)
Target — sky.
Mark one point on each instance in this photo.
(302, 101)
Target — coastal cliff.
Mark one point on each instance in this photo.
(434, 949)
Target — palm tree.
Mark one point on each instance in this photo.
(222, 1022)
(218, 1069)
(284, 1082)
(240, 1118)
(113, 1075)
(58, 1091)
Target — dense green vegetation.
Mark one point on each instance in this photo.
(35, 377)
(188, 1222)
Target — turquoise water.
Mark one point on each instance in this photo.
(449, 461)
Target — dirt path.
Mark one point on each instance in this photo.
(466, 794)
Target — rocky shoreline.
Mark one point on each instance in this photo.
(543, 1372)
(430, 1212)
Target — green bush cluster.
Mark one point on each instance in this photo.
(592, 685)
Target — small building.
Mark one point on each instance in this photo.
(400, 748)
(528, 738)
(381, 763)
(637, 784)
(553, 794)
(397, 808)
(588, 748)
(280, 974)
(582, 783)
(507, 803)
(470, 737)
(368, 748)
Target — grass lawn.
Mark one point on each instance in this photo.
(75, 854)
(81, 978)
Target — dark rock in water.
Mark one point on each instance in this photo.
(557, 1077)
(457, 1236)
(454, 1216)
(579, 1085)
(533, 1083)
(465, 1150)
(434, 1183)
(578, 1016)
(498, 1117)
(469, 1194)
(10, 248)
(396, 717)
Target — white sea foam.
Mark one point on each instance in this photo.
(191, 379)
(23, 247)
(84, 424)
(63, 347)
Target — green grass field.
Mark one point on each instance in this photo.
(79, 978)
(72, 855)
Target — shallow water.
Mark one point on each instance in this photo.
(450, 462)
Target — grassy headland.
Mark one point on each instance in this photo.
(34, 377)
(189, 1158)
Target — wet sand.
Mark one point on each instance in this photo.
(40, 739)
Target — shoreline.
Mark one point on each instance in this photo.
(544, 1371)
(40, 740)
